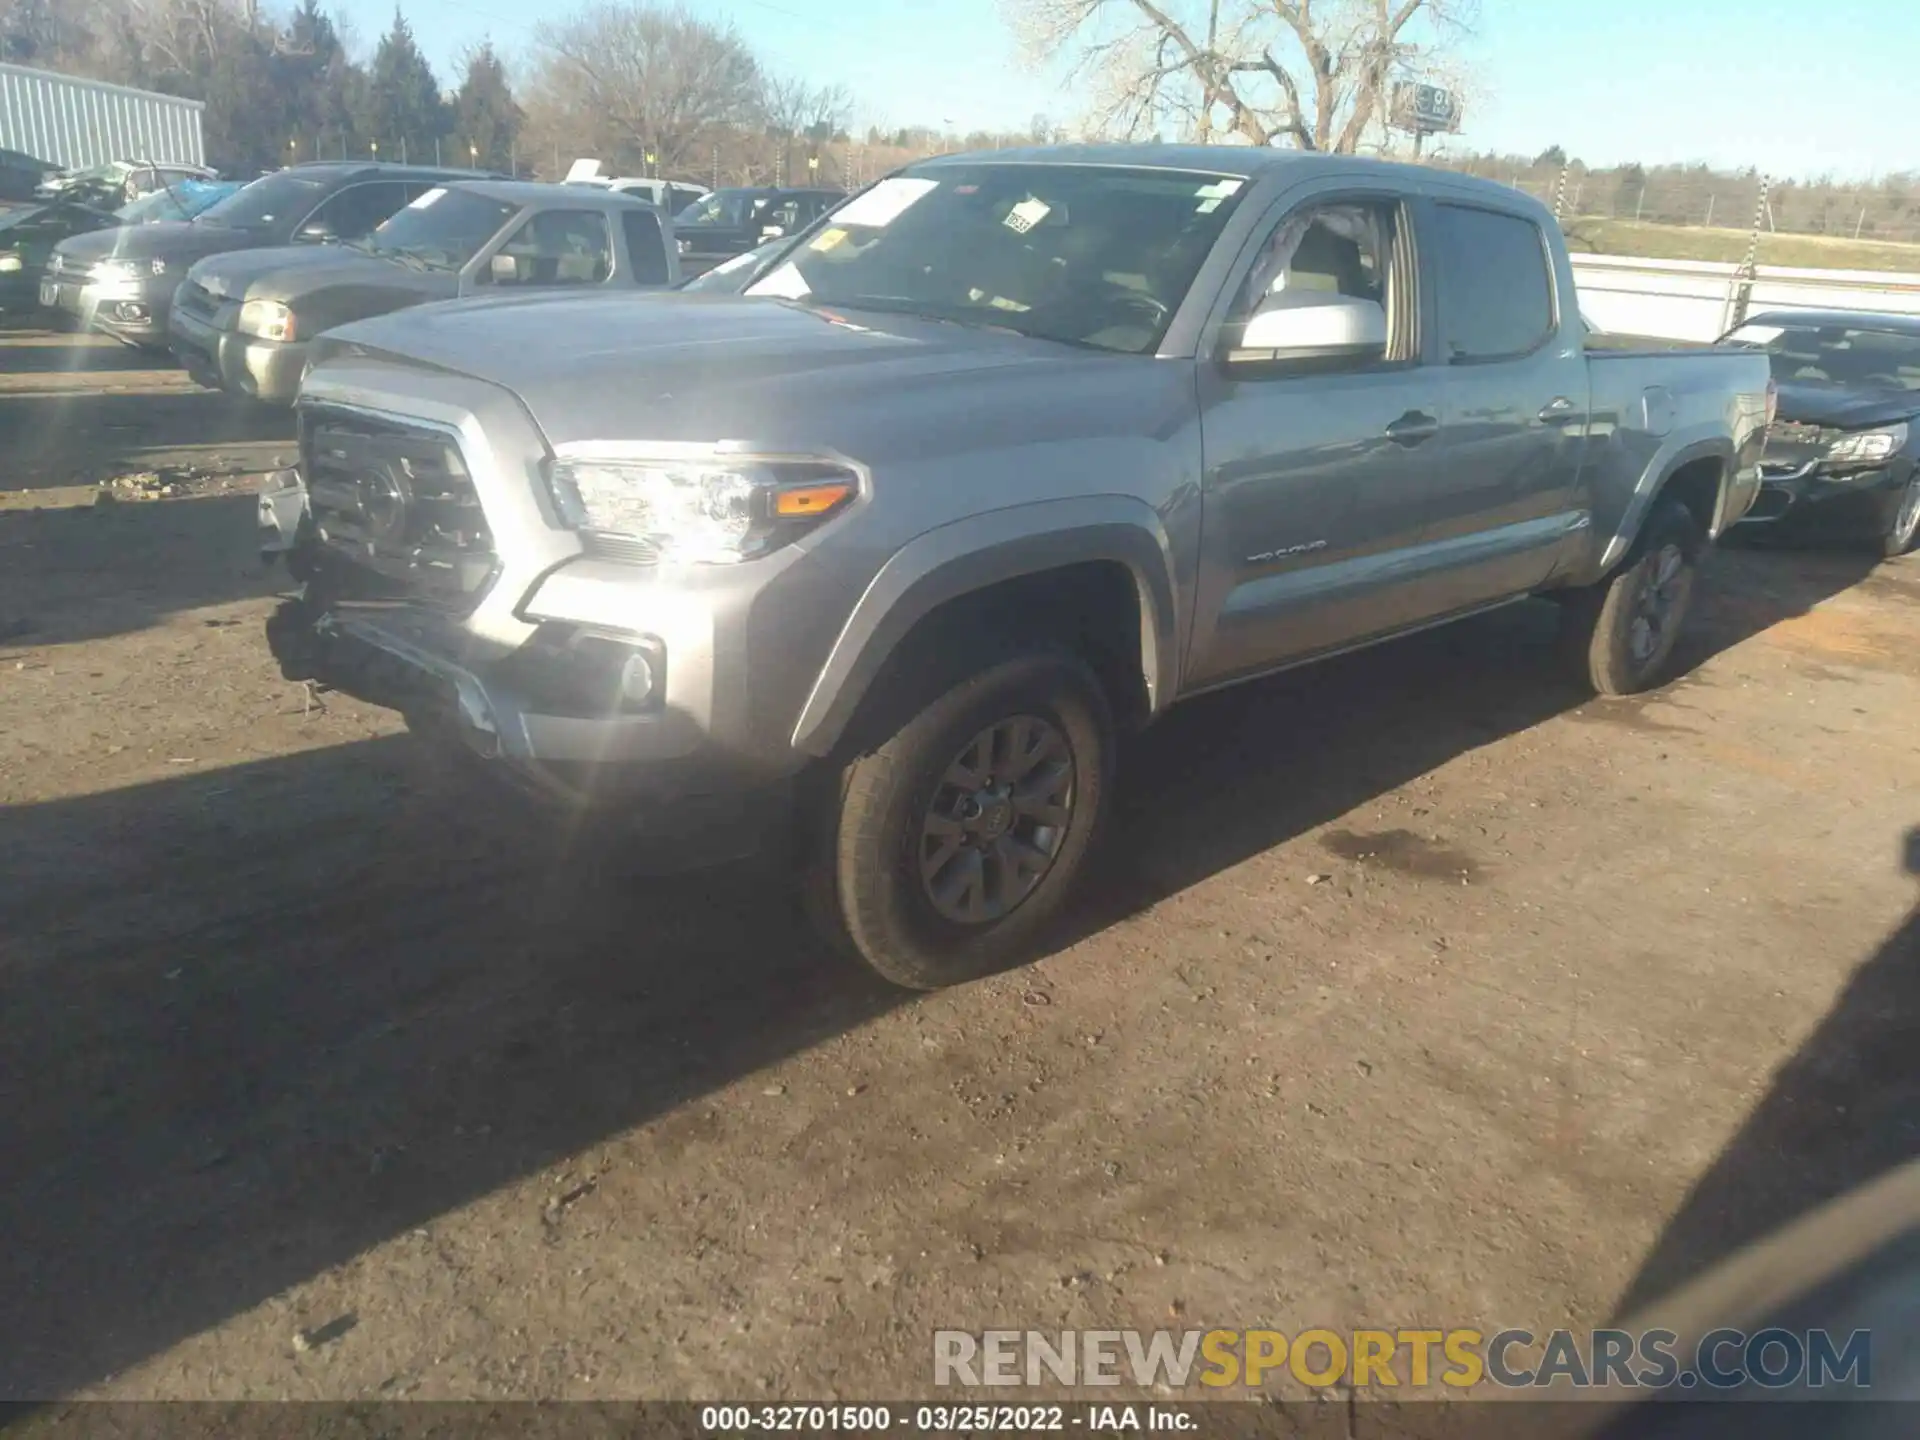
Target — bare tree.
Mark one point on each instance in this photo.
(793, 107)
(623, 81)
(1313, 73)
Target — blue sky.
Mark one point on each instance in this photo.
(1787, 87)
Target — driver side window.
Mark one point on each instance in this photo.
(1327, 251)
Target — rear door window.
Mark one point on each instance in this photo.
(1495, 284)
(646, 246)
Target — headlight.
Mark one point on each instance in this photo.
(711, 510)
(128, 269)
(10, 263)
(268, 319)
(1868, 447)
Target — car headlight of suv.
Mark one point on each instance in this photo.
(11, 263)
(711, 509)
(1868, 447)
(128, 270)
(267, 319)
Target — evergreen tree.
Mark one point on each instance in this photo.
(486, 120)
(403, 111)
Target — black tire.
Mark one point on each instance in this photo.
(1603, 625)
(1903, 521)
(867, 889)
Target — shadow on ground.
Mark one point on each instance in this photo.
(82, 573)
(255, 1022)
(1229, 776)
(1842, 1112)
(33, 350)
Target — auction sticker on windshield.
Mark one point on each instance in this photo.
(1756, 335)
(884, 203)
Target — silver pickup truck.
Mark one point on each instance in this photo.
(1007, 454)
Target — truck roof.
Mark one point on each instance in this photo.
(1245, 161)
(533, 192)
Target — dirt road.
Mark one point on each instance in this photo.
(1414, 989)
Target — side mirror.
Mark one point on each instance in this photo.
(314, 232)
(504, 269)
(772, 232)
(1312, 325)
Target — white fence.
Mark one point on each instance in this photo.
(1694, 299)
(75, 123)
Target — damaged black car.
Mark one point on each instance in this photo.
(1841, 457)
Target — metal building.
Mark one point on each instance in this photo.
(75, 123)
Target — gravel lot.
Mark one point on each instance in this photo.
(1414, 989)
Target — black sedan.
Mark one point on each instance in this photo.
(1843, 457)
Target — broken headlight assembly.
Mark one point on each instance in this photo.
(1867, 447)
(697, 506)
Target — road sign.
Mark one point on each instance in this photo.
(1424, 109)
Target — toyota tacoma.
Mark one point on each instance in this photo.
(1007, 455)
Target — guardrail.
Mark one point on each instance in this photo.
(1700, 299)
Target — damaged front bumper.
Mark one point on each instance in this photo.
(540, 722)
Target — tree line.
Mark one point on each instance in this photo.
(646, 88)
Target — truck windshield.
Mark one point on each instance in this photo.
(442, 230)
(1835, 354)
(276, 199)
(1089, 255)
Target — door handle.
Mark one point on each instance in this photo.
(1413, 427)
(1558, 411)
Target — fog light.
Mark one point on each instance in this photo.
(636, 680)
(131, 314)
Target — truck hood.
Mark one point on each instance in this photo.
(173, 240)
(292, 273)
(1843, 407)
(668, 366)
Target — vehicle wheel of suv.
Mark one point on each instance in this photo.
(1904, 529)
(954, 843)
(1621, 632)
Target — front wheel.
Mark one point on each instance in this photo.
(1621, 632)
(1903, 529)
(956, 841)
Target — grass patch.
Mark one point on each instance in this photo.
(1647, 241)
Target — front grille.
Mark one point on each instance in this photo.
(396, 504)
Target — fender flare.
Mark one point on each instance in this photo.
(1654, 479)
(984, 550)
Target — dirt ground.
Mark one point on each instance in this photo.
(1414, 989)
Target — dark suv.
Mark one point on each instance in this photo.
(121, 281)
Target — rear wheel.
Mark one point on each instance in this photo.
(953, 844)
(1621, 633)
(1903, 529)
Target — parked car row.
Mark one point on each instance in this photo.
(30, 230)
(236, 287)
